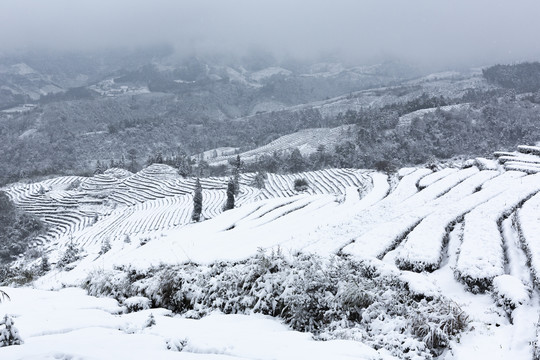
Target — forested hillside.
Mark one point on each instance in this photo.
(176, 111)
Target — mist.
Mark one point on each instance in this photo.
(425, 32)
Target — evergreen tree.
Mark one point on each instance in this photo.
(99, 168)
(122, 163)
(203, 168)
(230, 196)
(184, 166)
(197, 202)
(237, 167)
(159, 158)
(295, 161)
(9, 335)
(132, 155)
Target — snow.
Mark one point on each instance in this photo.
(306, 140)
(405, 120)
(486, 164)
(528, 220)
(423, 246)
(482, 255)
(69, 324)
(407, 216)
(436, 176)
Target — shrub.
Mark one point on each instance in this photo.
(332, 298)
(44, 265)
(300, 184)
(137, 303)
(105, 246)
(72, 254)
(74, 185)
(258, 180)
(151, 321)
(437, 325)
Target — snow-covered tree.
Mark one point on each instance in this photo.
(230, 196)
(237, 168)
(9, 335)
(197, 202)
(150, 321)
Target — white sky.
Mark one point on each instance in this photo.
(429, 31)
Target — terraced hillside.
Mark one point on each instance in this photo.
(306, 141)
(119, 204)
(467, 233)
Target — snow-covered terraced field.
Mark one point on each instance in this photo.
(307, 141)
(118, 204)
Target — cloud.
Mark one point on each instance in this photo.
(425, 31)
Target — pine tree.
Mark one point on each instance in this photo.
(238, 166)
(184, 166)
(99, 168)
(230, 196)
(132, 155)
(159, 158)
(197, 202)
(122, 163)
(9, 335)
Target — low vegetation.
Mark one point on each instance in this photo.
(331, 297)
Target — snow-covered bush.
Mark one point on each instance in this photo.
(150, 321)
(436, 325)
(9, 335)
(300, 184)
(176, 344)
(44, 266)
(137, 303)
(114, 283)
(105, 246)
(333, 298)
(72, 254)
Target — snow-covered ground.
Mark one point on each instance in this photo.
(68, 324)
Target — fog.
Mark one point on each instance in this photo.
(429, 32)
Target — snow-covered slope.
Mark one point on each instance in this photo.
(307, 141)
